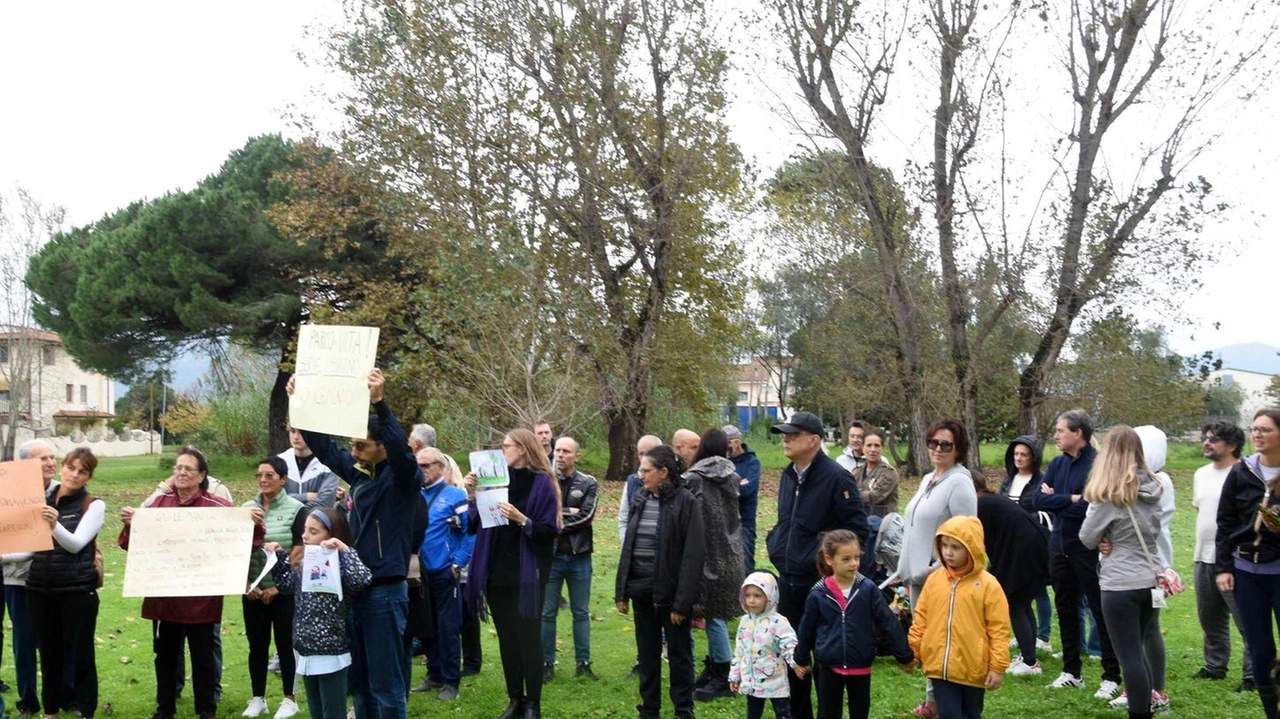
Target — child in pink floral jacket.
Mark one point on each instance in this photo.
(765, 645)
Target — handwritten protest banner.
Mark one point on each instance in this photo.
(188, 552)
(22, 529)
(331, 379)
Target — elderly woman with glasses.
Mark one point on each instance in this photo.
(175, 620)
(1248, 548)
(944, 493)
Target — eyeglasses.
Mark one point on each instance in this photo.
(1261, 430)
(425, 465)
(509, 445)
(938, 445)
(1211, 439)
(179, 469)
(646, 470)
(361, 445)
(266, 475)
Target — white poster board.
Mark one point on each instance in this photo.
(321, 571)
(188, 552)
(331, 379)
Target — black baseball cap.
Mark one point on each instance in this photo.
(800, 422)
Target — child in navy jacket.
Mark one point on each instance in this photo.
(843, 615)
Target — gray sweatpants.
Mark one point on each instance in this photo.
(1216, 611)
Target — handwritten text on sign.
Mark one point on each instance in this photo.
(22, 529)
(331, 379)
(188, 552)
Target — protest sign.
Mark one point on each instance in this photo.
(321, 571)
(188, 552)
(487, 501)
(490, 468)
(22, 529)
(331, 379)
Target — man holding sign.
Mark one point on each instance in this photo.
(384, 481)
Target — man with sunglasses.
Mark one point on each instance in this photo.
(1074, 567)
(385, 482)
(1222, 443)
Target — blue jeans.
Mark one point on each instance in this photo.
(718, 641)
(24, 649)
(444, 648)
(574, 570)
(1044, 614)
(958, 701)
(378, 653)
(327, 694)
(1092, 645)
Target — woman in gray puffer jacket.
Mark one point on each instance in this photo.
(1124, 508)
(714, 482)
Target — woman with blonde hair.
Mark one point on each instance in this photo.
(1124, 509)
(510, 564)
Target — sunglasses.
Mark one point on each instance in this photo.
(1211, 438)
(938, 445)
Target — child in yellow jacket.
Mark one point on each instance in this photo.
(960, 630)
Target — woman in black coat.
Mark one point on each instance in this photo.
(1018, 551)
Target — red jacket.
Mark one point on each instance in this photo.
(186, 610)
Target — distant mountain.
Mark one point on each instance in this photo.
(1251, 356)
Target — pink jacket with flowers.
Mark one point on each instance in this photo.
(765, 645)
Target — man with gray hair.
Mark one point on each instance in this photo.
(424, 435)
(644, 444)
(747, 466)
(16, 568)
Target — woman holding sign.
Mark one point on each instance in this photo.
(265, 610)
(62, 587)
(510, 564)
(175, 620)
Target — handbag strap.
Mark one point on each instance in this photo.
(1141, 540)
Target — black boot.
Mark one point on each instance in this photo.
(705, 675)
(718, 686)
(532, 710)
(514, 710)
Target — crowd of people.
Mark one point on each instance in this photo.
(420, 570)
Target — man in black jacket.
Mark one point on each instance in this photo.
(572, 564)
(815, 495)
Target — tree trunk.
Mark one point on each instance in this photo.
(278, 414)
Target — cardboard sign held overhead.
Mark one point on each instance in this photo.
(331, 379)
(22, 529)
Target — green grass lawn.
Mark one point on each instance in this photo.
(127, 682)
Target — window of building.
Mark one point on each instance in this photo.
(4, 355)
(1228, 380)
(49, 353)
(84, 394)
(742, 398)
(71, 393)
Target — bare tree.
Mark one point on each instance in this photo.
(25, 225)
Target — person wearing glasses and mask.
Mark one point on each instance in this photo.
(944, 493)
(1247, 548)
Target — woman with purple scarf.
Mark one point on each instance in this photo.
(510, 566)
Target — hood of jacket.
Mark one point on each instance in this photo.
(1037, 455)
(714, 469)
(766, 583)
(1149, 487)
(1155, 446)
(968, 531)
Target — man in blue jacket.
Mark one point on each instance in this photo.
(1074, 567)
(747, 466)
(384, 485)
(815, 495)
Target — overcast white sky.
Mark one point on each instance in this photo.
(106, 103)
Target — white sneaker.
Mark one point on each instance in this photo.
(1065, 680)
(1020, 668)
(1043, 645)
(1106, 689)
(287, 708)
(1120, 702)
(257, 707)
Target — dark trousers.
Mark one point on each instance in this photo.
(781, 707)
(327, 694)
(1023, 620)
(1258, 599)
(260, 621)
(1216, 610)
(958, 701)
(471, 655)
(64, 626)
(832, 690)
(444, 645)
(650, 624)
(1076, 575)
(167, 639)
(24, 648)
(792, 593)
(1135, 632)
(519, 643)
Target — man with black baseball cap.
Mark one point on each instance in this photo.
(815, 495)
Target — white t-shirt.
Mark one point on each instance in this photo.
(1269, 474)
(1206, 491)
(1018, 484)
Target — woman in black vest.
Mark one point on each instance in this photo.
(63, 587)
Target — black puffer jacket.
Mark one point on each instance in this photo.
(57, 570)
(1017, 544)
(1242, 494)
(714, 481)
(1010, 471)
(677, 580)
